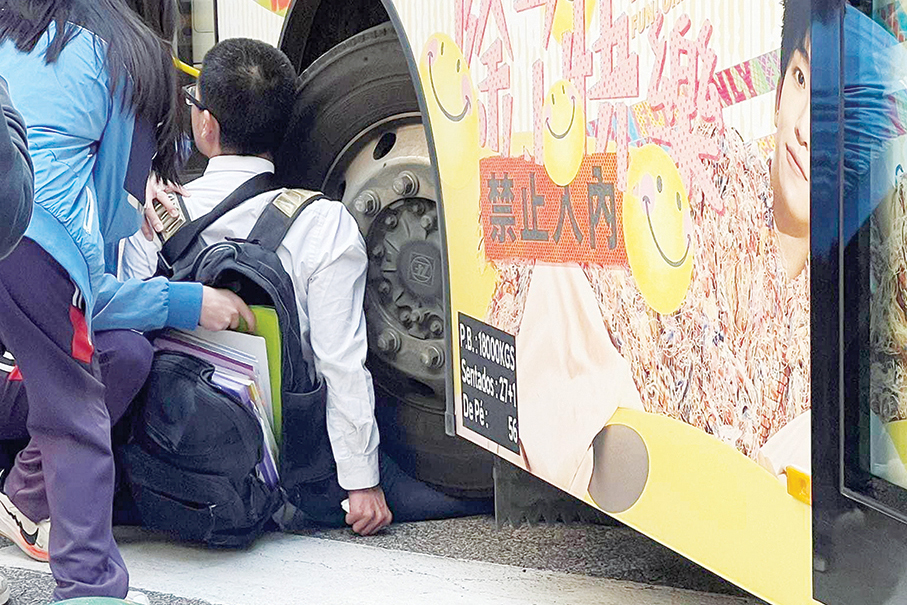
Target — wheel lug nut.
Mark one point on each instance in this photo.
(367, 203)
(388, 341)
(384, 288)
(406, 183)
(432, 357)
(405, 316)
(378, 251)
(427, 222)
(391, 220)
(436, 327)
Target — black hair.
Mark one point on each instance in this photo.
(249, 87)
(796, 23)
(160, 17)
(133, 52)
(795, 26)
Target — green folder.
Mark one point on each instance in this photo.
(266, 326)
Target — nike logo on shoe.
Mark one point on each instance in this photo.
(29, 538)
(13, 524)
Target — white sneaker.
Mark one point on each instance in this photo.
(133, 596)
(4, 591)
(31, 537)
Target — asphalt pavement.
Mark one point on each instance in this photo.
(454, 561)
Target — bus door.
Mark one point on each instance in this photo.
(859, 298)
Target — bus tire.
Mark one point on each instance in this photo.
(361, 82)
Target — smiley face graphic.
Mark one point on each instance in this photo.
(658, 229)
(563, 17)
(453, 109)
(563, 132)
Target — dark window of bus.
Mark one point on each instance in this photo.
(874, 231)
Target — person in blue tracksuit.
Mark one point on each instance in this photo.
(96, 89)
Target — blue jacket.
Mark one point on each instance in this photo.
(80, 138)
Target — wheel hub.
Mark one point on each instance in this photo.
(388, 185)
(406, 272)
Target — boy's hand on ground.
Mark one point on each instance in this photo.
(156, 189)
(368, 511)
(222, 310)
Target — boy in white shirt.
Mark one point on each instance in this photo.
(240, 112)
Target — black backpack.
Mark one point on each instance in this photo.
(191, 463)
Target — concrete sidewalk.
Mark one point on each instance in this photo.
(289, 570)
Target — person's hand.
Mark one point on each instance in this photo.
(222, 310)
(156, 189)
(368, 511)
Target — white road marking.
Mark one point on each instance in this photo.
(288, 570)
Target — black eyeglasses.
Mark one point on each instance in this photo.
(189, 92)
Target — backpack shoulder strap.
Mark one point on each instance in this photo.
(277, 218)
(187, 236)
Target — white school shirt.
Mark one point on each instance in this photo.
(325, 256)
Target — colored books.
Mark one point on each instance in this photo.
(241, 368)
(243, 389)
(249, 349)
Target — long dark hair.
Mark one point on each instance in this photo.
(159, 15)
(134, 51)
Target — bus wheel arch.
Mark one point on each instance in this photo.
(357, 134)
(313, 27)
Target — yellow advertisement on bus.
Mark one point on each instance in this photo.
(626, 214)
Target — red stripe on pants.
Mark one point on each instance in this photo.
(82, 348)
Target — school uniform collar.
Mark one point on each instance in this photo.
(250, 164)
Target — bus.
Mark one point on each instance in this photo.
(651, 252)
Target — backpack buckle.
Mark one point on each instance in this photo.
(163, 266)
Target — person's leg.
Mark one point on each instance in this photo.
(13, 402)
(408, 499)
(124, 359)
(412, 500)
(67, 420)
(318, 504)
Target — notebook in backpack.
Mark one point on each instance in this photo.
(251, 268)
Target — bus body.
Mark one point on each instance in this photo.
(625, 195)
